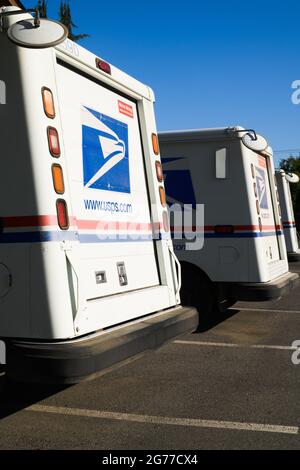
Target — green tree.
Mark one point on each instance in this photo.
(42, 7)
(65, 17)
(292, 165)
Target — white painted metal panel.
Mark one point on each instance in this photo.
(106, 172)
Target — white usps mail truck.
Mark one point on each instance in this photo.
(287, 213)
(88, 276)
(230, 171)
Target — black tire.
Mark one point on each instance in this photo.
(198, 291)
(231, 301)
(225, 304)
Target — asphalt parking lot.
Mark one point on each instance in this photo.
(233, 386)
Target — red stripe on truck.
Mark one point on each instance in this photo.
(51, 221)
(107, 224)
(29, 221)
(289, 222)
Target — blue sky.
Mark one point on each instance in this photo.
(210, 63)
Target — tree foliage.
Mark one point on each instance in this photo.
(292, 165)
(42, 7)
(65, 17)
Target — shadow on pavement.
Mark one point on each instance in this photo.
(215, 318)
(15, 396)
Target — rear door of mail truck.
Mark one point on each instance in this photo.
(106, 173)
(264, 206)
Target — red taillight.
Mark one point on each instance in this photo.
(224, 229)
(159, 172)
(62, 214)
(104, 66)
(53, 140)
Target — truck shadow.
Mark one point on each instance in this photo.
(16, 397)
(216, 317)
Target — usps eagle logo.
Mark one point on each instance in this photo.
(105, 152)
(261, 188)
(178, 181)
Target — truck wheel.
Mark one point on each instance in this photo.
(197, 291)
(231, 302)
(225, 304)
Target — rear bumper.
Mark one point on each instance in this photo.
(262, 290)
(81, 359)
(294, 256)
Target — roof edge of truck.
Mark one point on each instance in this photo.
(83, 56)
(80, 55)
(201, 134)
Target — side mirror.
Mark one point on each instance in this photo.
(33, 32)
(256, 142)
(292, 178)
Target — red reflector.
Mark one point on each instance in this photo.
(104, 66)
(53, 140)
(62, 214)
(224, 229)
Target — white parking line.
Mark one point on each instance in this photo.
(197, 423)
(264, 310)
(237, 345)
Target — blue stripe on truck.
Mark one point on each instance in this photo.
(59, 236)
(37, 237)
(232, 235)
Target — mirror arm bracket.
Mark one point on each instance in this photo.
(250, 132)
(37, 18)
